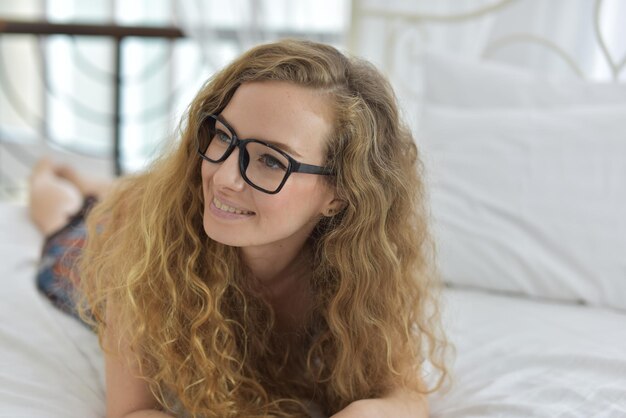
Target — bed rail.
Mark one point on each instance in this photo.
(116, 32)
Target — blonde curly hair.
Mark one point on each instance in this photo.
(185, 306)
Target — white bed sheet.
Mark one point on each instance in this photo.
(515, 357)
(518, 357)
(50, 364)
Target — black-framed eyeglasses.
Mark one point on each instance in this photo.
(262, 165)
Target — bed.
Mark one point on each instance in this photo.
(50, 364)
(527, 181)
(525, 157)
(516, 356)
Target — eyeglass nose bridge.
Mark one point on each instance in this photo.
(244, 160)
(243, 157)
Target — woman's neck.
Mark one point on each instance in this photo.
(284, 282)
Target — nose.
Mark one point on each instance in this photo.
(227, 174)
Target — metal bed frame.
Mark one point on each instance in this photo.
(118, 34)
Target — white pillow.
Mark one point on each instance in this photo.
(530, 201)
(456, 81)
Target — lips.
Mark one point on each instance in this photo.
(230, 209)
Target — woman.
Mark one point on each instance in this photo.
(276, 261)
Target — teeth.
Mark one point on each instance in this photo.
(230, 209)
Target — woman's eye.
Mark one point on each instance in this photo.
(271, 162)
(222, 136)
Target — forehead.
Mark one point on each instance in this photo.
(282, 113)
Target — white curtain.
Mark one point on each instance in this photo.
(68, 100)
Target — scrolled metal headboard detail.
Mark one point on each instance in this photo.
(420, 19)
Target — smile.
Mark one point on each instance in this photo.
(225, 208)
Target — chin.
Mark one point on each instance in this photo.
(214, 232)
(221, 233)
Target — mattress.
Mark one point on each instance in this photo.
(515, 357)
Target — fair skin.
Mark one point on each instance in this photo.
(271, 232)
(56, 192)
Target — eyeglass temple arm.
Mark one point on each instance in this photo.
(310, 169)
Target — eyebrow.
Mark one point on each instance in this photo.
(283, 147)
(279, 145)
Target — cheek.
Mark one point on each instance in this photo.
(206, 171)
(297, 203)
(273, 207)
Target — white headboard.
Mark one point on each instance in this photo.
(580, 37)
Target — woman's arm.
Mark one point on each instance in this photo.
(127, 396)
(399, 403)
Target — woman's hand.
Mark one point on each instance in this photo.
(399, 404)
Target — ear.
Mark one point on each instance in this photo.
(333, 207)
